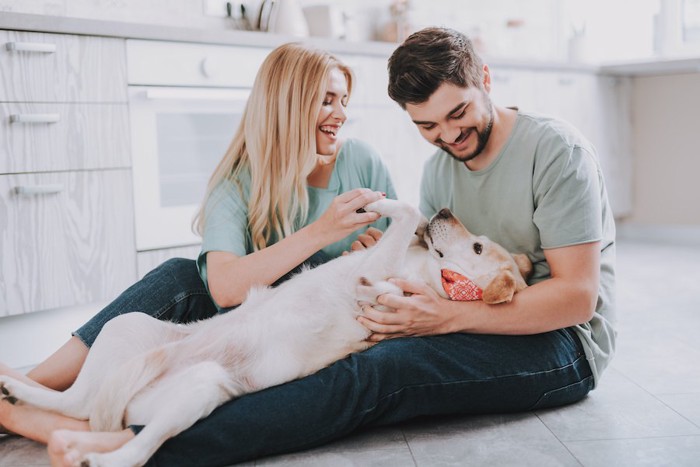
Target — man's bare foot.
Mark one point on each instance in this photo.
(67, 448)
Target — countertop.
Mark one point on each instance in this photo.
(80, 26)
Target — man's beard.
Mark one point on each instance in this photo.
(482, 138)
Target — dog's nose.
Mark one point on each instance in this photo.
(444, 213)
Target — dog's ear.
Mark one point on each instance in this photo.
(501, 289)
(524, 265)
(420, 231)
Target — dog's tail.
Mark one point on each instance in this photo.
(120, 387)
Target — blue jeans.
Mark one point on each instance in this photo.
(393, 381)
(173, 291)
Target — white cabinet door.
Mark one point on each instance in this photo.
(66, 238)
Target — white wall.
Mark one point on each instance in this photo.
(666, 145)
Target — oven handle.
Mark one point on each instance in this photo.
(198, 94)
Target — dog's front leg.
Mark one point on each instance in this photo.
(386, 259)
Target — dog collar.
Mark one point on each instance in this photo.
(459, 288)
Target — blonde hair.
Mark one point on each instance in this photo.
(276, 141)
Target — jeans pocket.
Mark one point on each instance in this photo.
(567, 395)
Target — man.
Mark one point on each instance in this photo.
(532, 184)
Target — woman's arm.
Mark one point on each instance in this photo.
(230, 276)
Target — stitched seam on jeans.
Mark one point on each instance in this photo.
(413, 386)
(178, 299)
(549, 393)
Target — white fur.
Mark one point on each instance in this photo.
(140, 368)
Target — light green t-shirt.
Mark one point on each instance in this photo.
(544, 190)
(357, 165)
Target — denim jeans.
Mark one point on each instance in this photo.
(396, 380)
(393, 381)
(173, 291)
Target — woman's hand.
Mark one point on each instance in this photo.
(342, 217)
(422, 313)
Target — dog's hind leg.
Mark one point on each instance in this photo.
(196, 391)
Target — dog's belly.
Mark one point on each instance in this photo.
(299, 344)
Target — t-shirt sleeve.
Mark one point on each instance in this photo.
(226, 222)
(566, 189)
(427, 204)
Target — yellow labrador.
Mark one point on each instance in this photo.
(140, 367)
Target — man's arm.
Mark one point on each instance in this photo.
(566, 299)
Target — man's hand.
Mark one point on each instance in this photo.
(422, 313)
(365, 240)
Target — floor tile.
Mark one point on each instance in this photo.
(376, 447)
(15, 451)
(518, 440)
(688, 405)
(678, 451)
(617, 409)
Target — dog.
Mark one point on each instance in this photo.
(140, 367)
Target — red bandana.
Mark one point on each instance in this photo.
(459, 288)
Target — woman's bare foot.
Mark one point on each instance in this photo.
(67, 448)
(4, 407)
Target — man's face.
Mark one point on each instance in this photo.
(456, 119)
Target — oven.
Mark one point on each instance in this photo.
(185, 103)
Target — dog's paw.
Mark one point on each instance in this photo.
(392, 208)
(7, 389)
(367, 292)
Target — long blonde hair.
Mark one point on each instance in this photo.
(276, 141)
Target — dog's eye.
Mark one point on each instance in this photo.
(478, 248)
(439, 253)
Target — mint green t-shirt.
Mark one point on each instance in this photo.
(357, 165)
(544, 190)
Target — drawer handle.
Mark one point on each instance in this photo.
(35, 118)
(34, 190)
(31, 47)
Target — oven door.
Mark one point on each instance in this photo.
(178, 137)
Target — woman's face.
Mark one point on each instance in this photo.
(332, 114)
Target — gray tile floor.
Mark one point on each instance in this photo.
(646, 411)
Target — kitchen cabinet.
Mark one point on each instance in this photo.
(66, 207)
(42, 67)
(67, 239)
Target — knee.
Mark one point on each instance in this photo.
(121, 324)
(179, 264)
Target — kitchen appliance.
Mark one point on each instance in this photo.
(325, 21)
(282, 17)
(185, 103)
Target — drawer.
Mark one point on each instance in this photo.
(52, 137)
(72, 244)
(179, 64)
(41, 67)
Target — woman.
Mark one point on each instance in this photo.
(286, 192)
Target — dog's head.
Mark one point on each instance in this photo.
(472, 266)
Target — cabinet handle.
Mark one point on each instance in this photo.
(566, 81)
(35, 118)
(34, 190)
(31, 47)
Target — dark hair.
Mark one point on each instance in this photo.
(427, 59)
